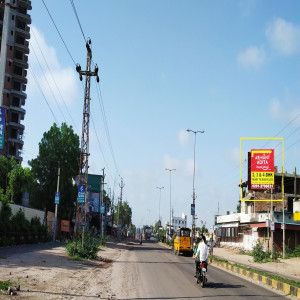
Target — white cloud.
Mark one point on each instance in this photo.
(65, 77)
(284, 36)
(183, 137)
(252, 57)
(185, 167)
(285, 111)
(234, 156)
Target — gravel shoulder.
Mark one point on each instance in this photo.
(48, 273)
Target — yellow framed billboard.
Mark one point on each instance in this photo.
(262, 176)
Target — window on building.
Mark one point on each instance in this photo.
(14, 117)
(20, 39)
(19, 55)
(16, 101)
(18, 70)
(14, 133)
(17, 86)
(20, 24)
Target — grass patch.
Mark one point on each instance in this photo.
(4, 285)
(271, 276)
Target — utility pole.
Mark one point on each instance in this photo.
(84, 152)
(121, 186)
(272, 224)
(159, 204)
(102, 197)
(283, 221)
(57, 190)
(170, 170)
(120, 200)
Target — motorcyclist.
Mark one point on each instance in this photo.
(201, 252)
(141, 238)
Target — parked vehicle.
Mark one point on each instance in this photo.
(182, 241)
(201, 273)
(152, 238)
(147, 233)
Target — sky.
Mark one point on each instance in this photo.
(230, 68)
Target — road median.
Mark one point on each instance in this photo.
(286, 285)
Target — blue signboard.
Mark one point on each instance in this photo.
(81, 193)
(192, 209)
(56, 201)
(102, 208)
(2, 126)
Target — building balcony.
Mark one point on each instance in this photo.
(23, 32)
(26, 3)
(22, 47)
(20, 94)
(25, 17)
(16, 125)
(18, 143)
(17, 109)
(20, 78)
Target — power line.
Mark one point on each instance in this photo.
(100, 99)
(53, 78)
(31, 47)
(59, 32)
(37, 83)
(77, 17)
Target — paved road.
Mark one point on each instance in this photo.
(162, 275)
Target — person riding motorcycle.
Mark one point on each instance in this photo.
(201, 252)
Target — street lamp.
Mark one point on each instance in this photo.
(170, 170)
(193, 224)
(159, 203)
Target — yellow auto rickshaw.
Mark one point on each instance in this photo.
(182, 241)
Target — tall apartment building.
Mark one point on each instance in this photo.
(14, 21)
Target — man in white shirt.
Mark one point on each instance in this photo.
(202, 251)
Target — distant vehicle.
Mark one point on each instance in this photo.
(147, 233)
(152, 238)
(182, 241)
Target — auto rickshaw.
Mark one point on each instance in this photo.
(182, 241)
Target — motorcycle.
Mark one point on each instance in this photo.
(201, 273)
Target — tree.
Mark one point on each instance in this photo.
(59, 147)
(238, 207)
(14, 180)
(125, 214)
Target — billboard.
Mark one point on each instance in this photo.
(262, 169)
(2, 126)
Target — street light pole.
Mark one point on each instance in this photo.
(159, 203)
(170, 170)
(194, 196)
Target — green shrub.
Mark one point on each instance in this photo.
(297, 251)
(258, 252)
(89, 248)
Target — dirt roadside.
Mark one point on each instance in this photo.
(50, 274)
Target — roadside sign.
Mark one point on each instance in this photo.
(102, 208)
(273, 226)
(2, 126)
(192, 209)
(262, 169)
(56, 200)
(81, 193)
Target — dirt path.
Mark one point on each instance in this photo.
(50, 274)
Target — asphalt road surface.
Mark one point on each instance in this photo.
(163, 275)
